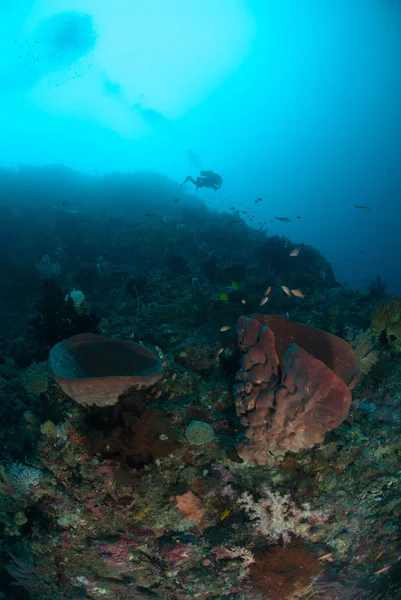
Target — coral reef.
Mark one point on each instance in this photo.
(36, 378)
(285, 572)
(365, 351)
(56, 319)
(277, 517)
(386, 321)
(158, 496)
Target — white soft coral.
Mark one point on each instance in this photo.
(276, 517)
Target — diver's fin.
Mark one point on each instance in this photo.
(188, 178)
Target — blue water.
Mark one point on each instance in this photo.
(297, 103)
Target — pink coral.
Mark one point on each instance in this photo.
(117, 552)
(191, 506)
(177, 554)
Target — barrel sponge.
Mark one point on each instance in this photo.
(95, 369)
(294, 385)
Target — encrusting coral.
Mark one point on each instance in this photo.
(365, 351)
(387, 319)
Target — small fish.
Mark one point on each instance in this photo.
(173, 377)
(149, 214)
(299, 217)
(176, 200)
(243, 300)
(268, 290)
(364, 208)
(225, 514)
(383, 570)
(295, 252)
(298, 294)
(159, 349)
(65, 202)
(225, 328)
(258, 200)
(263, 301)
(219, 351)
(326, 556)
(283, 219)
(286, 290)
(171, 395)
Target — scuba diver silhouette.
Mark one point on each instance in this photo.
(207, 179)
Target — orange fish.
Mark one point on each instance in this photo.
(383, 570)
(298, 294)
(286, 290)
(219, 351)
(326, 557)
(268, 290)
(225, 328)
(295, 252)
(263, 301)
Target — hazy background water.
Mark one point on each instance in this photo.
(296, 102)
